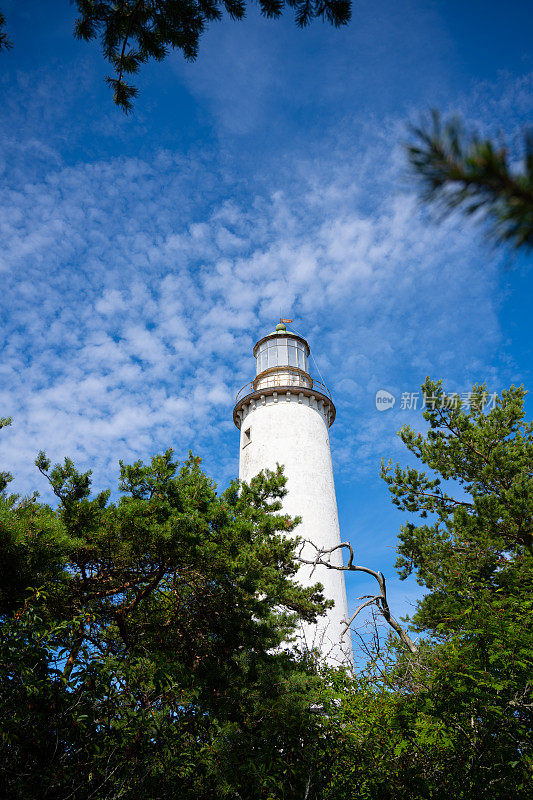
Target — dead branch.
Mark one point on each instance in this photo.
(323, 558)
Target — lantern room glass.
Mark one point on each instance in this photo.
(282, 351)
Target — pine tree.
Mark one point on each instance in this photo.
(140, 641)
(457, 171)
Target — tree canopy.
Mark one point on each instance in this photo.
(140, 643)
(454, 717)
(463, 703)
(132, 32)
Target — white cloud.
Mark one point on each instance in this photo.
(134, 288)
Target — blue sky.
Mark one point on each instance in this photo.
(142, 256)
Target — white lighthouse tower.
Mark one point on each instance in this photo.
(284, 417)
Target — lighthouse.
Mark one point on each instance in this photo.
(284, 416)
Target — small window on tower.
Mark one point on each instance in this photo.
(247, 437)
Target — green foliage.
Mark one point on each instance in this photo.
(475, 175)
(136, 31)
(433, 729)
(133, 32)
(148, 664)
(5, 477)
(33, 548)
(470, 683)
(455, 718)
(490, 457)
(147, 660)
(33, 544)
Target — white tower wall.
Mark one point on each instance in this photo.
(291, 428)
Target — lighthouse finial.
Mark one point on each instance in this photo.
(281, 326)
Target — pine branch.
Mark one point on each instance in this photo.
(5, 41)
(133, 32)
(474, 175)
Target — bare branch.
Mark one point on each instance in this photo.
(368, 602)
(323, 558)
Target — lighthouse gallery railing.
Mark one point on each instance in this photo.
(269, 383)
